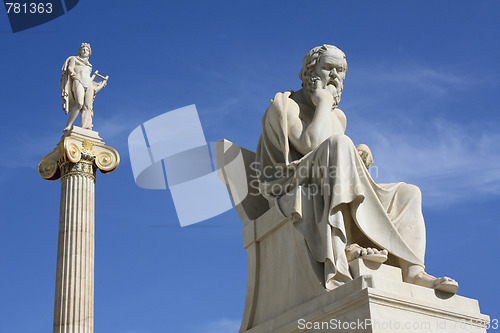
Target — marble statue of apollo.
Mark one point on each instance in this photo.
(78, 88)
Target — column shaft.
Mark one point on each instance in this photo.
(74, 295)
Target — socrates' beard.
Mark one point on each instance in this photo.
(334, 85)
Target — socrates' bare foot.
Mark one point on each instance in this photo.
(354, 251)
(423, 279)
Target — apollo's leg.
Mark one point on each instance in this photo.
(87, 108)
(78, 93)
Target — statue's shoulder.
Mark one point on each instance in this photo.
(282, 103)
(341, 116)
(66, 63)
(282, 98)
(77, 61)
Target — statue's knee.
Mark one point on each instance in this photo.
(411, 191)
(341, 140)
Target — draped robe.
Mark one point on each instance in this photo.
(330, 188)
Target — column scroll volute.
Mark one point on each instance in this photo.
(72, 149)
(107, 159)
(48, 168)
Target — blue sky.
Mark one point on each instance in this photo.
(421, 91)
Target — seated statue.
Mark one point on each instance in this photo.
(308, 166)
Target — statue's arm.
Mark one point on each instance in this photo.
(324, 124)
(296, 130)
(71, 69)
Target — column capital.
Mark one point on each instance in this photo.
(80, 151)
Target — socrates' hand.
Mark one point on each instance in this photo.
(321, 94)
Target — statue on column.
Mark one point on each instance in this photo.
(310, 167)
(78, 88)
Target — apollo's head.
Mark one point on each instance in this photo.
(326, 63)
(85, 50)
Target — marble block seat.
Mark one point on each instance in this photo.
(285, 292)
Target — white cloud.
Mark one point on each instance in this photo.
(115, 127)
(448, 161)
(422, 78)
(409, 87)
(223, 325)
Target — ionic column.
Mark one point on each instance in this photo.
(75, 161)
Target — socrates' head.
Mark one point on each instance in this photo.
(321, 62)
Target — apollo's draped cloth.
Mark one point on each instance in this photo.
(315, 188)
(66, 85)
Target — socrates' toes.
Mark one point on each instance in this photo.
(355, 251)
(447, 285)
(378, 256)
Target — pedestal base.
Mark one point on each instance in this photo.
(82, 133)
(378, 302)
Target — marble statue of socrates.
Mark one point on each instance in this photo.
(78, 87)
(307, 162)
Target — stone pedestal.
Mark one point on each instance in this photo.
(375, 303)
(75, 161)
